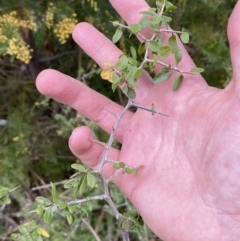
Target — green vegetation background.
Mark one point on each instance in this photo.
(34, 141)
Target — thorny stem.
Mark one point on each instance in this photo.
(105, 182)
(112, 135)
(174, 68)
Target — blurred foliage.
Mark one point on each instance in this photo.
(34, 130)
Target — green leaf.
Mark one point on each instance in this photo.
(170, 8)
(153, 26)
(48, 215)
(125, 89)
(78, 167)
(54, 190)
(178, 56)
(114, 86)
(144, 22)
(196, 70)
(71, 209)
(164, 52)
(91, 180)
(69, 218)
(153, 46)
(163, 75)
(35, 235)
(43, 201)
(172, 42)
(3, 191)
(14, 236)
(150, 12)
(83, 184)
(133, 52)
(131, 83)
(157, 19)
(132, 61)
(68, 185)
(39, 210)
(116, 166)
(141, 49)
(22, 229)
(115, 78)
(133, 73)
(159, 40)
(117, 35)
(135, 28)
(62, 206)
(122, 62)
(151, 67)
(167, 19)
(177, 82)
(129, 170)
(131, 93)
(78, 186)
(138, 73)
(5, 200)
(184, 37)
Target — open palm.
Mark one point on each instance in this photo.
(189, 186)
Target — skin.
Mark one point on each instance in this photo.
(189, 186)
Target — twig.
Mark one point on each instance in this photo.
(48, 185)
(91, 230)
(79, 201)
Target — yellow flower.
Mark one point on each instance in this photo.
(18, 48)
(106, 74)
(64, 28)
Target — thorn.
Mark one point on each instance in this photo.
(111, 113)
(99, 143)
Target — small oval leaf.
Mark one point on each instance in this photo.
(116, 166)
(172, 42)
(117, 35)
(153, 46)
(91, 180)
(177, 82)
(48, 215)
(164, 52)
(163, 75)
(196, 70)
(178, 56)
(184, 37)
(69, 218)
(122, 62)
(131, 93)
(78, 167)
(135, 28)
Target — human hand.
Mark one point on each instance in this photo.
(189, 184)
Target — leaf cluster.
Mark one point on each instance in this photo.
(129, 68)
